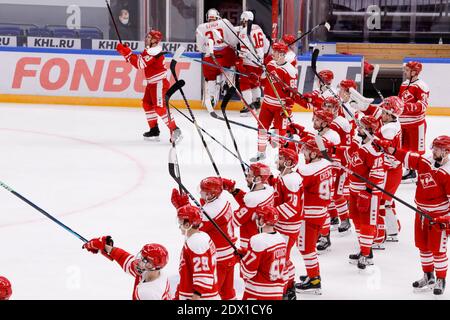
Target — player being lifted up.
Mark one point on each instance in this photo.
(198, 273)
(152, 61)
(247, 63)
(274, 109)
(414, 92)
(150, 282)
(264, 263)
(219, 31)
(219, 209)
(433, 198)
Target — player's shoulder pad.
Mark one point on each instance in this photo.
(446, 168)
(292, 181)
(422, 85)
(198, 242)
(153, 51)
(214, 208)
(312, 168)
(368, 148)
(262, 241)
(254, 198)
(333, 137)
(290, 69)
(390, 130)
(343, 123)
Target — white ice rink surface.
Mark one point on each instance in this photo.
(91, 169)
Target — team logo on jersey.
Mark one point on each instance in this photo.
(407, 96)
(356, 159)
(147, 58)
(427, 181)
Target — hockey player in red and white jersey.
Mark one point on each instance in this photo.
(313, 100)
(152, 61)
(367, 160)
(433, 198)
(5, 288)
(263, 265)
(291, 56)
(251, 53)
(276, 102)
(219, 210)
(317, 176)
(220, 31)
(289, 204)
(390, 133)
(345, 96)
(414, 92)
(198, 265)
(260, 194)
(151, 283)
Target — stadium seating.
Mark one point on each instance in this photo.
(6, 30)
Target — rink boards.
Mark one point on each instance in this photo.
(103, 78)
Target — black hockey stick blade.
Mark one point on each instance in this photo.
(174, 88)
(174, 169)
(230, 93)
(314, 58)
(174, 61)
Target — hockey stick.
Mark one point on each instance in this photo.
(374, 80)
(174, 172)
(226, 69)
(223, 107)
(325, 154)
(45, 213)
(325, 24)
(173, 63)
(208, 134)
(114, 22)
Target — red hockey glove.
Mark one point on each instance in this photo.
(309, 96)
(295, 128)
(98, 244)
(124, 50)
(272, 180)
(385, 144)
(363, 202)
(228, 185)
(289, 102)
(267, 59)
(179, 200)
(253, 77)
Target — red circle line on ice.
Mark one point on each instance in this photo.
(140, 168)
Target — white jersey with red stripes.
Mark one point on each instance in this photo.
(220, 31)
(158, 289)
(263, 266)
(221, 212)
(260, 43)
(415, 96)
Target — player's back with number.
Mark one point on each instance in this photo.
(219, 31)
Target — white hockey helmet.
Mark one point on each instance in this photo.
(212, 14)
(247, 15)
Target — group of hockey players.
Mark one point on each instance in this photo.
(372, 148)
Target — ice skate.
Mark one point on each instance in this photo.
(152, 135)
(424, 284)
(323, 244)
(439, 287)
(245, 112)
(363, 262)
(260, 156)
(354, 258)
(255, 105)
(290, 294)
(309, 286)
(334, 223)
(409, 177)
(392, 238)
(176, 136)
(344, 227)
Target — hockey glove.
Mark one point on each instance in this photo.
(228, 185)
(124, 50)
(179, 199)
(98, 244)
(295, 128)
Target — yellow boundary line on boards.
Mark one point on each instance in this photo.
(135, 103)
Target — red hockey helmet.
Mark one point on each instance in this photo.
(324, 115)
(155, 34)
(212, 14)
(347, 84)
(268, 214)
(5, 289)
(288, 39)
(212, 185)
(370, 122)
(190, 214)
(327, 76)
(414, 66)
(442, 142)
(331, 103)
(311, 145)
(155, 254)
(393, 105)
(280, 47)
(289, 154)
(260, 169)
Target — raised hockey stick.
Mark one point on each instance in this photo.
(208, 134)
(325, 24)
(325, 154)
(45, 213)
(114, 22)
(223, 107)
(173, 63)
(174, 172)
(376, 69)
(226, 69)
